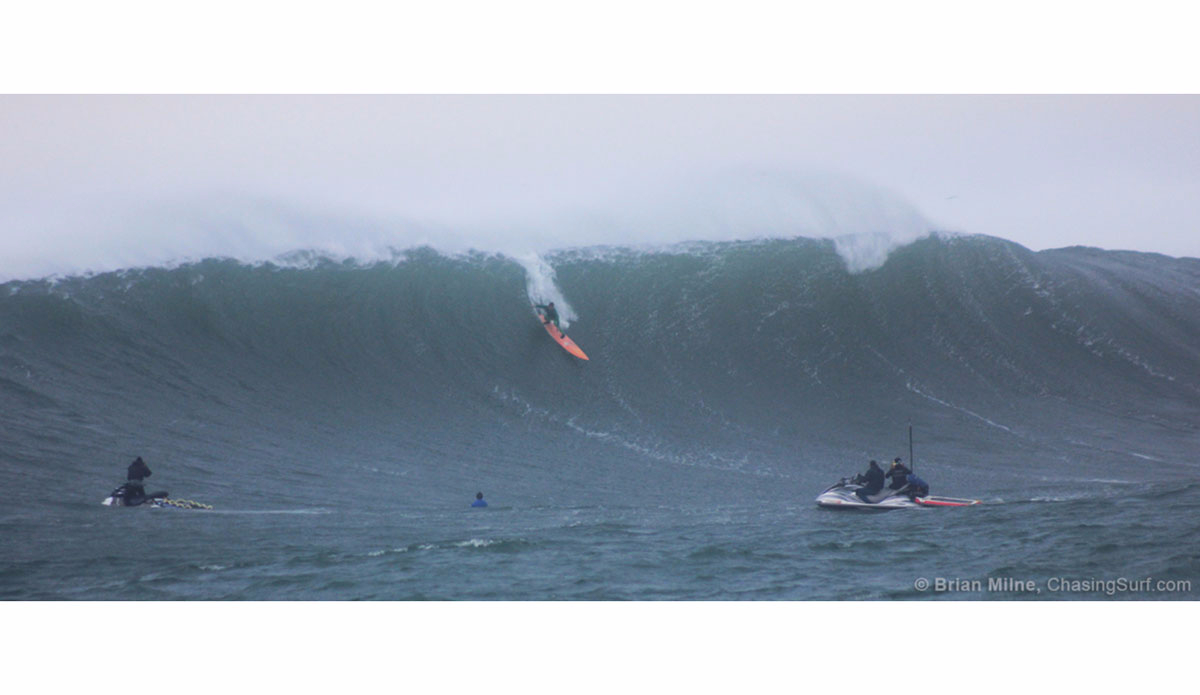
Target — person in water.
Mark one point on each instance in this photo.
(479, 500)
(551, 314)
(872, 482)
(898, 473)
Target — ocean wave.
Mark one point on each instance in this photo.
(735, 357)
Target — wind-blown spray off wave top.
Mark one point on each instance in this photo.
(720, 372)
(866, 222)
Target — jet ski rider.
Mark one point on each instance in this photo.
(898, 473)
(872, 482)
(135, 492)
(134, 475)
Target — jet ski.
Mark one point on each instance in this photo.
(127, 496)
(844, 495)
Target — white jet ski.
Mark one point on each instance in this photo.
(844, 495)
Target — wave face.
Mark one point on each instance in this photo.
(724, 356)
(749, 374)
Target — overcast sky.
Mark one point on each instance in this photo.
(1118, 172)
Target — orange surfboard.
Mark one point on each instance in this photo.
(561, 338)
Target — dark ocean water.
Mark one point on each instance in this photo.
(340, 418)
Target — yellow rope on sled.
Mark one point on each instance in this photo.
(185, 504)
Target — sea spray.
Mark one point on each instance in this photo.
(866, 222)
(542, 287)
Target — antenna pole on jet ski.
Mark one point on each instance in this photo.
(912, 465)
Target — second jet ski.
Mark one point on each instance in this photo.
(844, 495)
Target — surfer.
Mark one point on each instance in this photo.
(898, 473)
(872, 481)
(550, 315)
(479, 500)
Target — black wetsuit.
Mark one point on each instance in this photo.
(138, 470)
(899, 474)
(135, 492)
(551, 314)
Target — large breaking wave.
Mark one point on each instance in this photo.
(766, 358)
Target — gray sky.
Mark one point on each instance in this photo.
(89, 179)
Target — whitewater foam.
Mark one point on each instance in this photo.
(864, 222)
(542, 288)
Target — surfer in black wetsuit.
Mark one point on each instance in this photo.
(899, 474)
(872, 482)
(550, 315)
